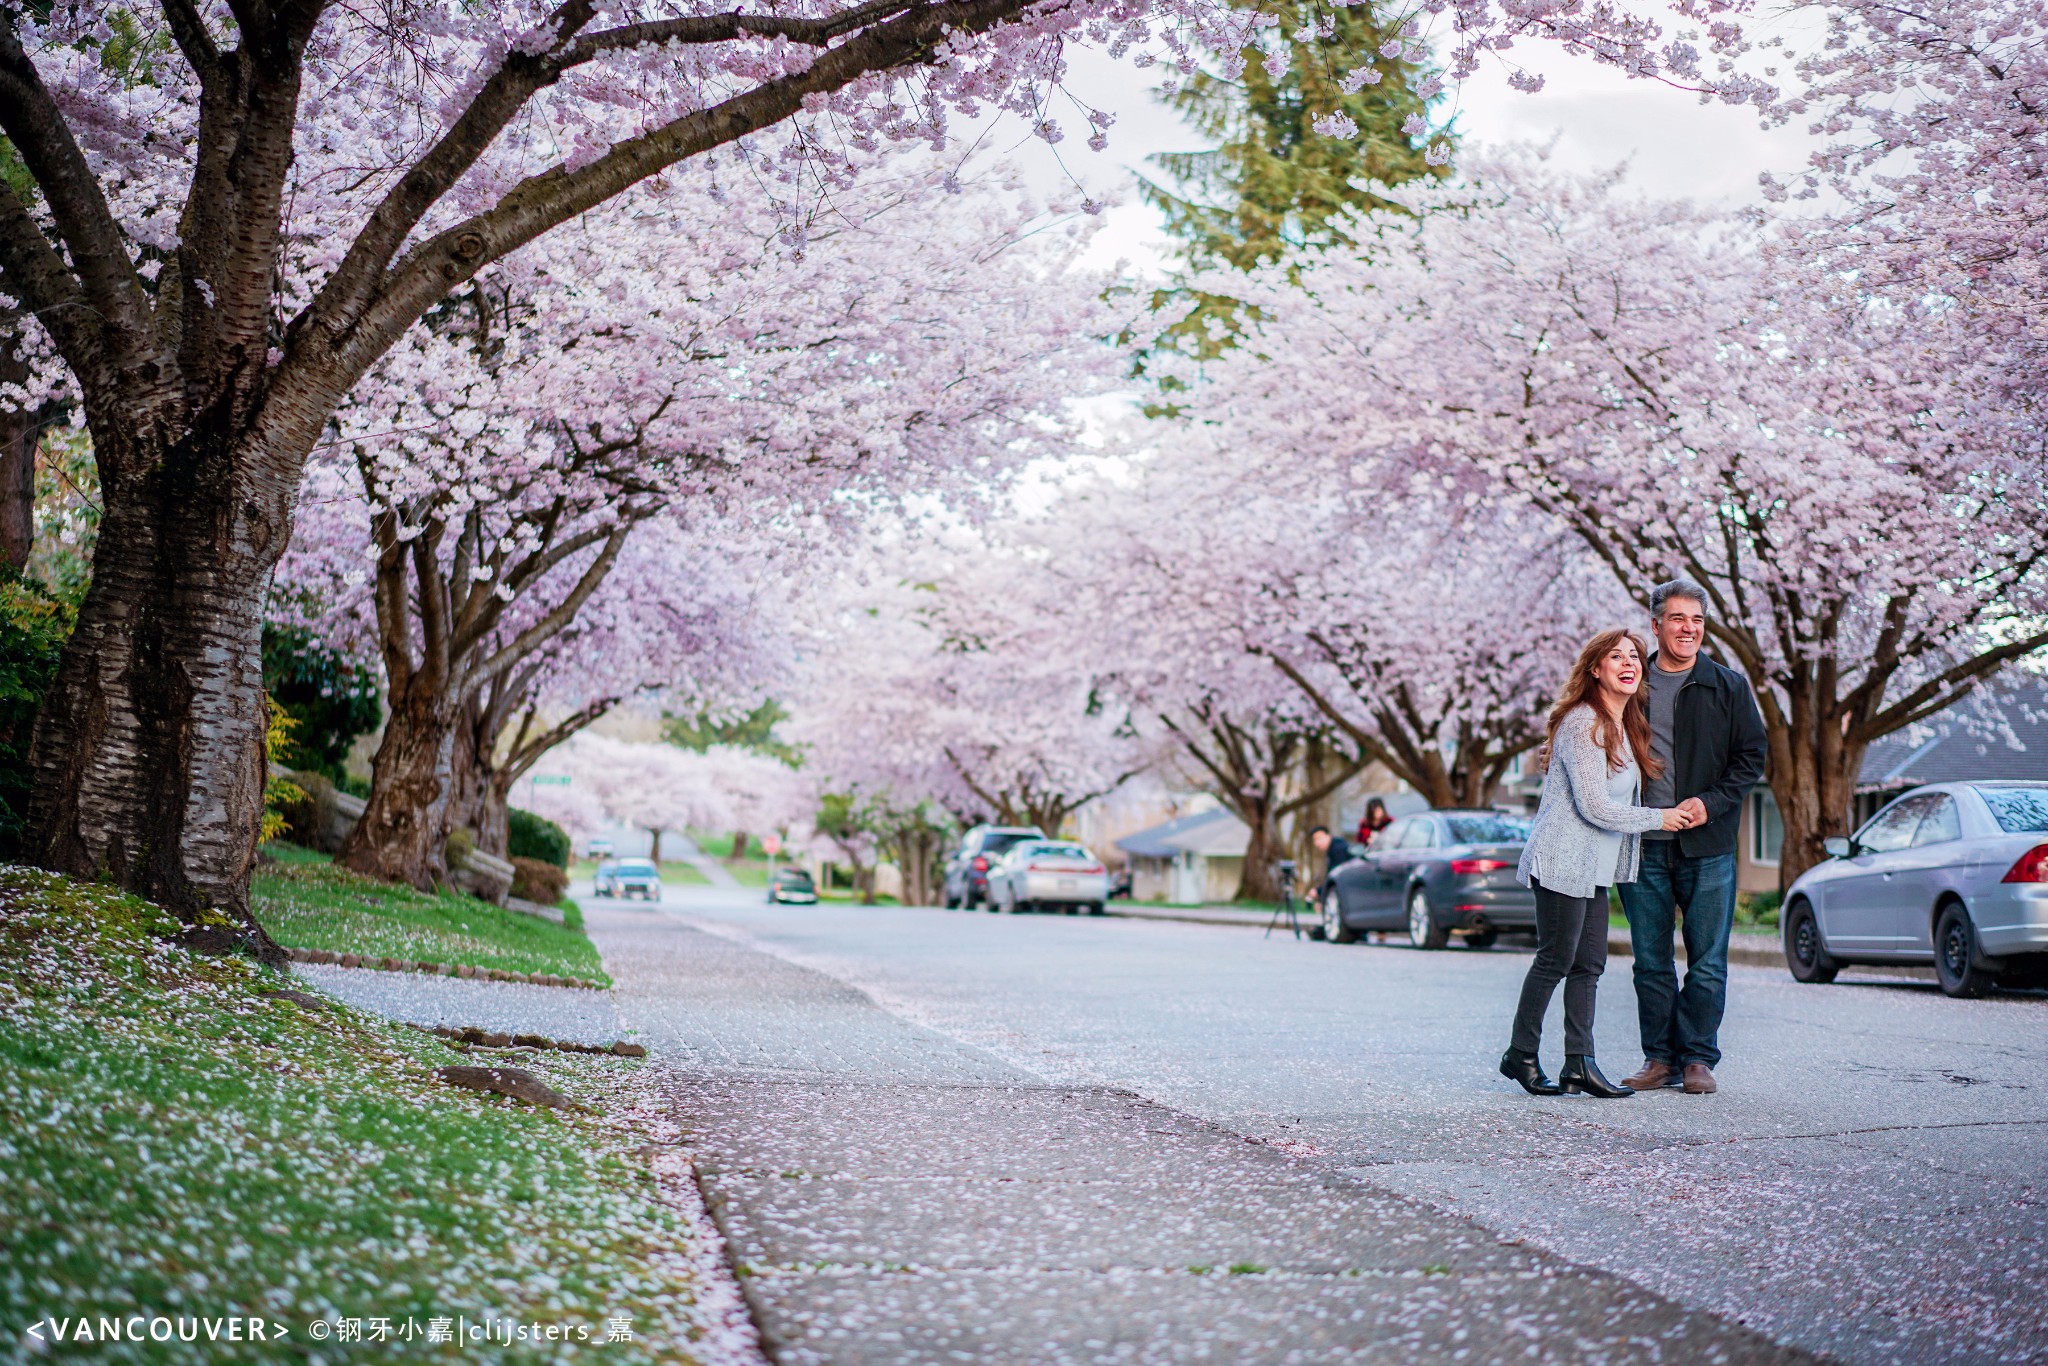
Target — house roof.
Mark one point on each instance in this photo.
(1214, 834)
(1952, 746)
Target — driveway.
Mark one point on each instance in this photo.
(1868, 1184)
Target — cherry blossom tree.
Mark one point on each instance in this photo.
(1872, 541)
(897, 351)
(948, 684)
(661, 789)
(1934, 118)
(225, 214)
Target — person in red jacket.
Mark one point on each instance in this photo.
(1372, 822)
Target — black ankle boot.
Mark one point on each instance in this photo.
(1581, 1073)
(1516, 1065)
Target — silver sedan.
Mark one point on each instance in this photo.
(1952, 874)
(1048, 875)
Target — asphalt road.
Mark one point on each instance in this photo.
(1871, 1182)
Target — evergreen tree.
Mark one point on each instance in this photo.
(1273, 185)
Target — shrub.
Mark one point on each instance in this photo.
(330, 698)
(308, 819)
(538, 880)
(34, 624)
(536, 837)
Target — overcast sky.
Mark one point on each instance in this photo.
(1674, 145)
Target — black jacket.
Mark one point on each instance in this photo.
(1717, 753)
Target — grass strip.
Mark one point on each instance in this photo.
(306, 902)
(176, 1143)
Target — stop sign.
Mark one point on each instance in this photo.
(772, 844)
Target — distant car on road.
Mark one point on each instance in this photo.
(1434, 874)
(791, 887)
(1953, 874)
(1047, 875)
(627, 878)
(966, 873)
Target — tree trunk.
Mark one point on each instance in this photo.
(654, 850)
(1816, 801)
(480, 792)
(148, 754)
(739, 846)
(403, 833)
(1261, 880)
(20, 430)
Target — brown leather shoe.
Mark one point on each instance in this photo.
(1699, 1079)
(1654, 1076)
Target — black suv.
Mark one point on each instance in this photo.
(967, 871)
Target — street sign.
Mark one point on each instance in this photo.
(771, 843)
(552, 780)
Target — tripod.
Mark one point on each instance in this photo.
(1288, 906)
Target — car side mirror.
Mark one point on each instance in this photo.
(1837, 846)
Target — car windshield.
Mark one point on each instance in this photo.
(1487, 829)
(993, 845)
(794, 876)
(2019, 810)
(1067, 853)
(637, 867)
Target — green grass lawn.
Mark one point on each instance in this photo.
(177, 1143)
(305, 902)
(751, 871)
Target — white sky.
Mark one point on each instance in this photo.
(1675, 145)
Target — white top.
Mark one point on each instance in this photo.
(1587, 832)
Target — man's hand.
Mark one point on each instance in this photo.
(1695, 811)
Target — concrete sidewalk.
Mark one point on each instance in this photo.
(893, 1195)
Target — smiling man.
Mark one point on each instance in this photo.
(1705, 727)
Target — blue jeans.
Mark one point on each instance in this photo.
(1681, 1025)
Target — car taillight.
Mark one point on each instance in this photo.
(2031, 867)
(980, 864)
(1465, 866)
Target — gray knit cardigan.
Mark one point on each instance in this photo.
(1588, 829)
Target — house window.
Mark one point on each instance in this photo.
(1766, 828)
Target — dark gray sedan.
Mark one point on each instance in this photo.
(1434, 874)
(1951, 874)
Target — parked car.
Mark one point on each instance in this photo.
(629, 877)
(1434, 874)
(966, 874)
(1045, 875)
(791, 887)
(1952, 874)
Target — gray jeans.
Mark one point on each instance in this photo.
(1571, 947)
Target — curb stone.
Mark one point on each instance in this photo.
(356, 960)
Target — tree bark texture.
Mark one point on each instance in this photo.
(403, 833)
(148, 753)
(20, 434)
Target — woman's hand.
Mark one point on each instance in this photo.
(1676, 818)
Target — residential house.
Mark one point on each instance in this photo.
(1190, 860)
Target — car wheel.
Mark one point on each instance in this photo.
(1955, 954)
(1805, 955)
(1098, 909)
(1484, 939)
(1072, 908)
(1334, 928)
(1423, 931)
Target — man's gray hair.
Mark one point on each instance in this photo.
(1676, 588)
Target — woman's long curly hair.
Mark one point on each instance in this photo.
(1583, 687)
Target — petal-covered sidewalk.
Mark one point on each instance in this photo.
(892, 1195)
